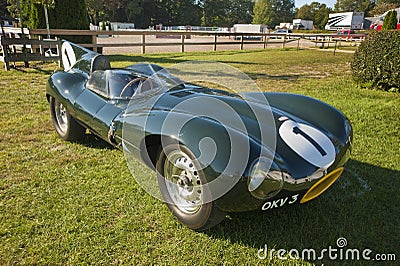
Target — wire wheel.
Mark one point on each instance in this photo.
(65, 125)
(61, 116)
(182, 185)
(183, 182)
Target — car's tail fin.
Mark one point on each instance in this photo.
(76, 57)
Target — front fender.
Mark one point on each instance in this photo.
(219, 149)
(313, 111)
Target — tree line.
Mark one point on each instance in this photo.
(74, 14)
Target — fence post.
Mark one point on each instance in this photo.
(25, 52)
(41, 51)
(143, 43)
(183, 43)
(58, 45)
(284, 41)
(4, 48)
(94, 42)
(215, 42)
(241, 43)
(264, 40)
(334, 51)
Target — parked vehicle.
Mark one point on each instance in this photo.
(345, 20)
(302, 24)
(282, 31)
(348, 35)
(249, 28)
(130, 109)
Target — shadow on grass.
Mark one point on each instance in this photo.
(256, 76)
(92, 141)
(184, 57)
(362, 206)
(38, 67)
(138, 59)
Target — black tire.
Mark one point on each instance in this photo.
(188, 209)
(65, 125)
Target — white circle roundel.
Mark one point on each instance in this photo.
(68, 56)
(309, 143)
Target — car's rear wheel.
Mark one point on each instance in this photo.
(181, 183)
(66, 126)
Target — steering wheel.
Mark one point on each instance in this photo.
(141, 80)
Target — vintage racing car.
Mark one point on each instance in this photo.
(290, 158)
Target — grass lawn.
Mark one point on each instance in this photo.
(77, 203)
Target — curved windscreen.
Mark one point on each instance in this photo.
(121, 84)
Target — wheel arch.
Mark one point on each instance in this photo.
(150, 148)
(65, 86)
(192, 135)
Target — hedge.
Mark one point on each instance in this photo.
(376, 63)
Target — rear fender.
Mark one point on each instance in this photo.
(65, 86)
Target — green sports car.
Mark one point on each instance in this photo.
(214, 151)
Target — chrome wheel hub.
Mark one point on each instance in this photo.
(61, 116)
(183, 182)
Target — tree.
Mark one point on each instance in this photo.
(96, 11)
(264, 13)
(273, 12)
(390, 21)
(12, 8)
(148, 15)
(36, 18)
(322, 16)
(284, 10)
(178, 12)
(225, 13)
(306, 12)
(113, 6)
(381, 8)
(396, 2)
(240, 12)
(354, 5)
(318, 13)
(215, 13)
(3, 9)
(71, 14)
(189, 12)
(132, 8)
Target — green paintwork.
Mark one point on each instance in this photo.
(99, 114)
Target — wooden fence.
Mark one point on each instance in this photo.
(25, 50)
(183, 37)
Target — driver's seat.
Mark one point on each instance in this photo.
(99, 62)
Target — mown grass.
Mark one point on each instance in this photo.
(77, 203)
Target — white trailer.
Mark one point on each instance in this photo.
(249, 28)
(302, 24)
(345, 20)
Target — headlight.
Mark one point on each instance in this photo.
(265, 180)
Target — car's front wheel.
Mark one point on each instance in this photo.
(181, 181)
(65, 125)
